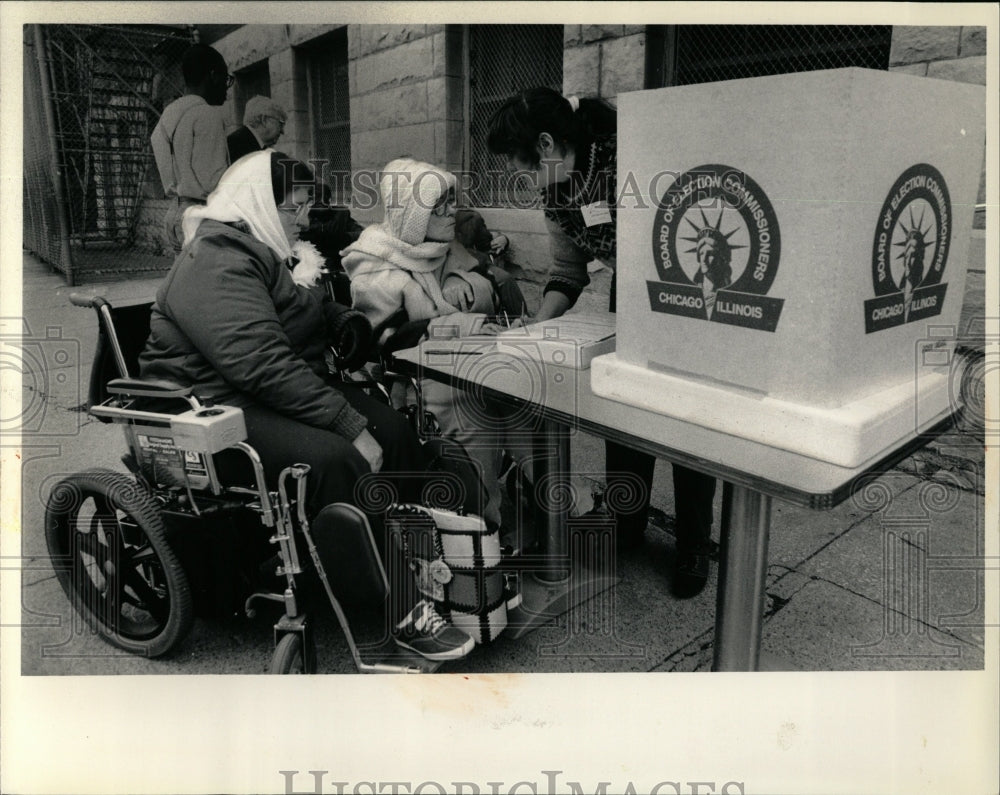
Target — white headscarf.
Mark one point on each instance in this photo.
(244, 194)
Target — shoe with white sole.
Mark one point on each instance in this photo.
(426, 633)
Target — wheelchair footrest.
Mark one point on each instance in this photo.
(350, 555)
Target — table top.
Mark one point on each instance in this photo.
(563, 395)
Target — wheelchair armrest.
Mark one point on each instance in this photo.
(148, 387)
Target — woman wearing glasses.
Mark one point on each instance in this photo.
(230, 320)
(411, 278)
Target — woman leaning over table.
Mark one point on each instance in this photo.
(566, 148)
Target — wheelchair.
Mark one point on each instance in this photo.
(134, 553)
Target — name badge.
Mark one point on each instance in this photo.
(596, 213)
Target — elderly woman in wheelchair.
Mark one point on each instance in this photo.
(242, 346)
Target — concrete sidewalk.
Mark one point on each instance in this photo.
(888, 580)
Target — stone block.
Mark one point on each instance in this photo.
(622, 65)
(919, 69)
(911, 43)
(390, 107)
(973, 41)
(447, 53)
(374, 38)
(961, 70)
(448, 140)
(444, 98)
(375, 148)
(303, 34)
(582, 70)
(251, 43)
(354, 35)
(437, 98)
(406, 63)
(281, 66)
(630, 29)
(572, 35)
(590, 33)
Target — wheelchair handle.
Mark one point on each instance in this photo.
(299, 473)
(86, 301)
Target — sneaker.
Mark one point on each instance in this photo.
(424, 631)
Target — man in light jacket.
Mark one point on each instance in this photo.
(189, 141)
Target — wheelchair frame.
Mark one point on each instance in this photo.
(133, 589)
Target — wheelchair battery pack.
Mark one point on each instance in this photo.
(178, 455)
(209, 430)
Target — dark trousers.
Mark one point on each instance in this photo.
(339, 473)
(629, 476)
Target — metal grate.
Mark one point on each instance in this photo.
(43, 235)
(107, 86)
(707, 53)
(331, 112)
(504, 59)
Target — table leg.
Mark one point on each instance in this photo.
(558, 581)
(552, 464)
(739, 612)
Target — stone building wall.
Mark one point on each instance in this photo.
(603, 60)
(406, 86)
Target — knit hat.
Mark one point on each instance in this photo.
(410, 189)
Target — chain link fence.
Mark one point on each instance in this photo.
(504, 59)
(707, 53)
(93, 94)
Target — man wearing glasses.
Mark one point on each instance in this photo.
(263, 124)
(189, 141)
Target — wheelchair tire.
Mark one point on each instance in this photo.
(289, 655)
(108, 546)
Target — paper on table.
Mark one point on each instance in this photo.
(570, 341)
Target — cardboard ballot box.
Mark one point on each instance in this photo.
(792, 253)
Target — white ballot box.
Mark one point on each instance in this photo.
(792, 253)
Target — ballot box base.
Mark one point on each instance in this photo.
(847, 435)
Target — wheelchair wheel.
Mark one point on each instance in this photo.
(289, 655)
(108, 547)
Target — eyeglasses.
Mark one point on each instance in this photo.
(281, 122)
(300, 213)
(230, 79)
(444, 208)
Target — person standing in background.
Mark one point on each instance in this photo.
(189, 141)
(263, 123)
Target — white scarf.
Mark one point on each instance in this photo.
(244, 194)
(378, 251)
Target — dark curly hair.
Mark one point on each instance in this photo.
(515, 127)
